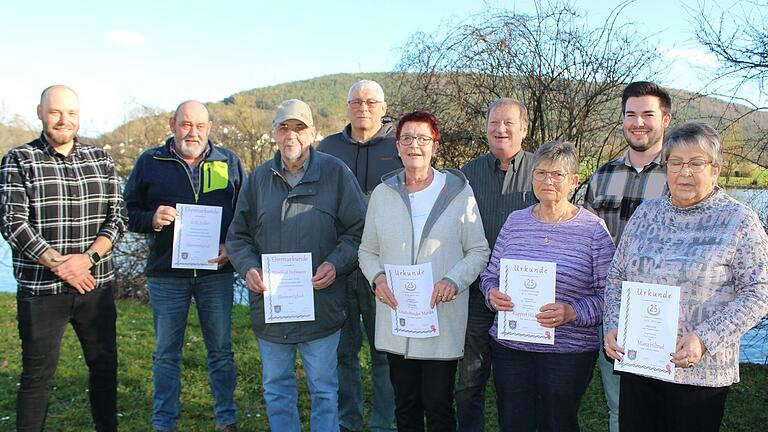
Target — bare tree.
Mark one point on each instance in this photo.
(737, 35)
(568, 74)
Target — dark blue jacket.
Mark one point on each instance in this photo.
(160, 178)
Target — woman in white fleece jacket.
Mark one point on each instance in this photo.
(423, 215)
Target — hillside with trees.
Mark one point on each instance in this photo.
(242, 121)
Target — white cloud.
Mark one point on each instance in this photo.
(695, 56)
(124, 37)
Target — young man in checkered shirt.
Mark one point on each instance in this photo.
(61, 211)
(617, 188)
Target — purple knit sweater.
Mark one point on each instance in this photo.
(582, 249)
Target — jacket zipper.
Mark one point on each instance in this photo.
(194, 271)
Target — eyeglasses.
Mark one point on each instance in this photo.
(421, 140)
(694, 165)
(298, 128)
(358, 103)
(556, 176)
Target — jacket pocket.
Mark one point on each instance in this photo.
(215, 176)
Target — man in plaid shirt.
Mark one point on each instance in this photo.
(61, 212)
(617, 188)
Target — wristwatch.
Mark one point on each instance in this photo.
(93, 256)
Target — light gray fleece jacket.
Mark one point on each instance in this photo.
(454, 242)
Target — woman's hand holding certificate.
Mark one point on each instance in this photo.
(414, 314)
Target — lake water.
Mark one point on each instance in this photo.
(754, 344)
(7, 282)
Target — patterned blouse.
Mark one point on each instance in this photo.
(716, 251)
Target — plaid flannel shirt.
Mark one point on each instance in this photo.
(616, 189)
(64, 202)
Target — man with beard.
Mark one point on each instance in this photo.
(502, 182)
(301, 201)
(188, 169)
(618, 187)
(367, 146)
(61, 212)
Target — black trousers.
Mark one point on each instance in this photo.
(475, 368)
(423, 388)
(647, 404)
(42, 321)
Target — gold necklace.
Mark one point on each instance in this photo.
(553, 226)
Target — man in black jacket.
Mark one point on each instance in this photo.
(367, 146)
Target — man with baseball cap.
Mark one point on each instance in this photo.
(301, 201)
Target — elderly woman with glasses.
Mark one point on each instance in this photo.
(716, 250)
(421, 215)
(539, 386)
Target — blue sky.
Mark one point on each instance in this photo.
(121, 55)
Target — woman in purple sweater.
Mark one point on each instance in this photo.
(539, 387)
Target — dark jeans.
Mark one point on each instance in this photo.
(540, 391)
(475, 367)
(42, 321)
(647, 404)
(423, 387)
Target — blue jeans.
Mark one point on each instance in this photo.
(540, 391)
(170, 298)
(361, 302)
(279, 379)
(611, 386)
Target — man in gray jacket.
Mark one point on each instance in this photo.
(367, 146)
(301, 201)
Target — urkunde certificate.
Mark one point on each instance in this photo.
(196, 236)
(530, 285)
(289, 296)
(648, 318)
(412, 287)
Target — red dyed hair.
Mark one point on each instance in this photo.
(420, 117)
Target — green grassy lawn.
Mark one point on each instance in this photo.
(69, 410)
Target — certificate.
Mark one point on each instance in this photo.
(196, 232)
(530, 285)
(412, 286)
(289, 296)
(648, 329)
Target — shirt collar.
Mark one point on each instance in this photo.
(624, 159)
(206, 153)
(514, 163)
(303, 167)
(51, 151)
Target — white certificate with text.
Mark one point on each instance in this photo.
(412, 287)
(196, 232)
(289, 296)
(648, 319)
(530, 285)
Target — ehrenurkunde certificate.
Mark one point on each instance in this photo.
(530, 285)
(289, 296)
(196, 233)
(647, 330)
(412, 287)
